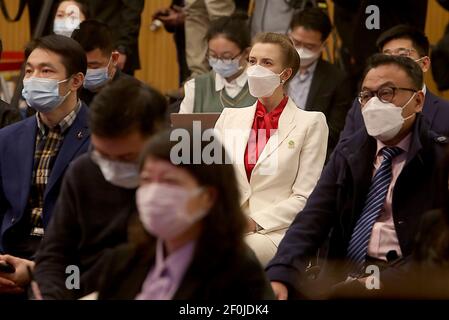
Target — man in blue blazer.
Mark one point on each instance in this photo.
(35, 152)
(373, 191)
(407, 41)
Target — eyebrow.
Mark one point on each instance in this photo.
(388, 83)
(41, 65)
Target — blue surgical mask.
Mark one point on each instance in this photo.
(225, 68)
(42, 94)
(96, 78)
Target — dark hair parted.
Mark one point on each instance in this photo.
(224, 226)
(313, 19)
(419, 40)
(72, 54)
(288, 51)
(125, 105)
(93, 34)
(234, 28)
(410, 67)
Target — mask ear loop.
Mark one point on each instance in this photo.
(70, 90)
(405, 105)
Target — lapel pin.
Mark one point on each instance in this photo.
(80, 135)
(291, 144)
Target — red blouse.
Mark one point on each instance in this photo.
(262, 121)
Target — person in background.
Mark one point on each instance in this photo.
(98, 193)
(373, 191)
(407, 41)
(226, 85)
(278, 149)
(199, 15)
(123, 18)
(319, 85)
(96, 39)
(188, 243)
(35, 152)
(68, 16)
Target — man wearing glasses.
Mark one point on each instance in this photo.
(373, 191)
(406, 41)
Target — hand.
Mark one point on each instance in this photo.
(174, 18)
(20, 277)
(121, 61)
(280, 290)
(160, 12)
(9, 287)
(252, 226)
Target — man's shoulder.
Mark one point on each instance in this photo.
(16, 127)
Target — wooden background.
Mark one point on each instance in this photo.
(157, 50)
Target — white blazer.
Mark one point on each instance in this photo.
(287, 169)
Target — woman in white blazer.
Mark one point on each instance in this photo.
(278, 149)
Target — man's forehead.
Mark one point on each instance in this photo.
(39, 56)
(385, 74)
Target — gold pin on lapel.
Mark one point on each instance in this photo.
(291, 144)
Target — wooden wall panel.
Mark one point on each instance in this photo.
(14, 35)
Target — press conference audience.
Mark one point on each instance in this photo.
(190, 242)
(35, 152)
(98, 192)
(372, 192)
(278, 149)
(96, 39)
(226, 85)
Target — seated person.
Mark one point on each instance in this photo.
(278, 149)
(96, 39)
(190, 242)
(98, 192)
(404, 40)
(35, 152)
(373, 190)
(226, 85)
(68, 16)
(319, 85)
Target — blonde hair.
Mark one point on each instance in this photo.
(290, 55)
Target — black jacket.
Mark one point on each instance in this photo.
(90, 217)
(337, 201)
(238, 277)
(8, 115)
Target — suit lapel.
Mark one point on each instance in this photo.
(430, 106)
(317, 81)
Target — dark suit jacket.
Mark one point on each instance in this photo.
(238, 277)
(90, 216)
(17, 145)
(337, 202)
(435, 109)
(123, 17)
(8, 115)
(330, 93)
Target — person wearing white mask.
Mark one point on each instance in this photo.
(373, 192)
(96, 39)
(188, 242)
(36, 152)
(69, 15)
(277, 148)
(226, 85)
(318, 85)
(97, 196)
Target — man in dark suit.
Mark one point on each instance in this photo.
(123, 17)
(318, 85)
(406, 41)
(8, 115)
(374, 189)
(96, 39)
(35, 152)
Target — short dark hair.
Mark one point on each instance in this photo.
(410, 67)
(93, 34)
(125, 105)
(403, 31)
(72, 54)
(234, 28)
(313, 19)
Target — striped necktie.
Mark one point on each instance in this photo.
(358, 245)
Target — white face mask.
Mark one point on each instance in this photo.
(262, 82)
(383, 120)
(64, 26)
(163, 209)
(120, 174)
(307, 56)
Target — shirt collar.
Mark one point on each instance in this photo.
(177, 262)
(221, 82)
(404, 144)
(64, 124)
(424, 89)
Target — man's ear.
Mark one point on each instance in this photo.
(425, 64)
(114, 57)
(77, 81)
(419, 98)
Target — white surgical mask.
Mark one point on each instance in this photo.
(262, 82)
(64, 26)
(118, 173)
(383, 121)
(307, 56)
(42, 94)
(163, 209)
